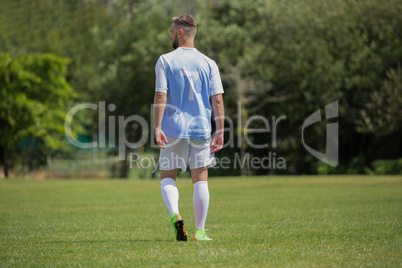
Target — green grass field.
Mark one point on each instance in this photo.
(254, 221)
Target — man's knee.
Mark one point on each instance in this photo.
(168, 174)
(199, 174)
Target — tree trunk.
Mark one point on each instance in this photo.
(123, 167)
(243, 145)
(5, 155)
(241, 87)
(243, 171)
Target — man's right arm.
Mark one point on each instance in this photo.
(159, 109)
(161, 89)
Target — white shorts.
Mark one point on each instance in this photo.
(180, 152)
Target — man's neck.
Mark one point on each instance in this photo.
(188, 44)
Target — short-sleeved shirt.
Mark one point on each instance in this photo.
(189, 78)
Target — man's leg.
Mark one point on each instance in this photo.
(199, 177)
(172, 158)
(169, 190)
(170, 196)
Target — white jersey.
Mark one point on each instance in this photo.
(189, 78)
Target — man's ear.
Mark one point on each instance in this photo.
(181, 32)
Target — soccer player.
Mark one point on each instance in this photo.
(186, 81)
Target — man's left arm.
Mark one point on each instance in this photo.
(217, 108)
(219, 116)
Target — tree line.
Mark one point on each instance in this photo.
(277, 58)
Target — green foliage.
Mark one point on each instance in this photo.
(276, 58)
(131, 46)
(382, 114)
(34, 95)
(297, 56)
(63, 28)
(387, 167)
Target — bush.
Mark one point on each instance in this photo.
(387, 167)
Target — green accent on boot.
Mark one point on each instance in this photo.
(199, 235)
(173, 219)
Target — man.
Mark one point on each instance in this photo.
(186, 80)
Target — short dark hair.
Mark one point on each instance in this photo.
(185, 21)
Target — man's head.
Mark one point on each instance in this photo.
(183, 29)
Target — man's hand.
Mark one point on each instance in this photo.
(160, 138)
(217, 143)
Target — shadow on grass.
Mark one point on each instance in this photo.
(106, 241)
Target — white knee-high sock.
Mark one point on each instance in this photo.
(200, 203)
(170, 195)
